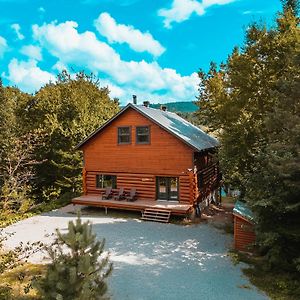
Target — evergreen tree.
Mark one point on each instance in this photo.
(252, 103)
(78, 268)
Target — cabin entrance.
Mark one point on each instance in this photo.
(167, 188)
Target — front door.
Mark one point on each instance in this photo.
(167, 188)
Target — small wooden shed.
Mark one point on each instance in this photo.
(244, 235)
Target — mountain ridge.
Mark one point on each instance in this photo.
(180, 106)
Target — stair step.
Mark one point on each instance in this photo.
(156, 215)
(157, 210)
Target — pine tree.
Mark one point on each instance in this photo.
(78, 268)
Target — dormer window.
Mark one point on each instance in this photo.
(143, 135)
(124, 135)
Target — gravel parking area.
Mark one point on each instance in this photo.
(152, 260)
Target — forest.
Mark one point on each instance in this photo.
(39, 166)
(251, 103)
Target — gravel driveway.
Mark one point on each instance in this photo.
(152, 260)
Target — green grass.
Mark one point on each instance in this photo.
(277, 284)
(13, 282)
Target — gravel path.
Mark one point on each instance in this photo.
(152, 260)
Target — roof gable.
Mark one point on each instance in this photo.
(171, 122)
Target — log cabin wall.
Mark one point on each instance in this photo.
(144, 183)
(137, 165)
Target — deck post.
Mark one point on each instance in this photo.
(105, 210)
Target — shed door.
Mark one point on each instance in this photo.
(167, 188)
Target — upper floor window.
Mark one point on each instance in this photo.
(143, 134)
(124, 135)
(104, 181)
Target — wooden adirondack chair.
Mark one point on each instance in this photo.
(108, 193)
(132, 195)
(121, 195)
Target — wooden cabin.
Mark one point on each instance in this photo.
(169, 161)
(244, 234)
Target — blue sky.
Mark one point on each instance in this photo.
(149, 48)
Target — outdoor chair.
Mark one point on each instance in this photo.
(132, 195)
(108, 193)
(121, 195)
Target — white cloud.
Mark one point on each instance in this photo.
(27, 75)
(181, 10)
(3, 46)
(115, 91)
(84, 50)
(32, 51)
(120, 33)
(41, 9)
(207, 3)
(59, 66)
(17, 28)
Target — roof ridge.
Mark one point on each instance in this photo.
(189, 134)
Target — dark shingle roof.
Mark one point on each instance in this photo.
(171, 122)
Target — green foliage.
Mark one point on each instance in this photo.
(38, 135)
(17, 146)
(14, 259)
(253, 104)
(78, 268)
(39, 167)
(17, 283)
(278, 285)
(67, 110)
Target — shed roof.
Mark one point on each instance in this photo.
(242, 209)
(171, 122)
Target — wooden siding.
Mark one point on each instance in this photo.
(244, 234)
(137, 165)
(165, 155)
(144, 183)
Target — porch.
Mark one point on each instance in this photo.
(139, 205)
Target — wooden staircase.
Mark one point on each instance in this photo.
(156, 215)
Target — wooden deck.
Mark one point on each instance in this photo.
(139, 205)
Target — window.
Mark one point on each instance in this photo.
(124, 136)
(104, 181)
(143, 135)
